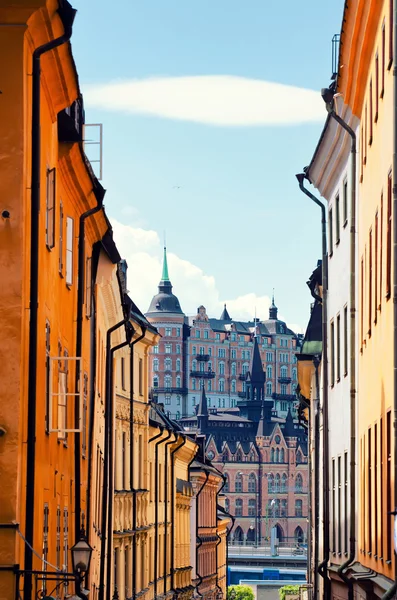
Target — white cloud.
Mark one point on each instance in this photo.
(144, 254)
(222, 100)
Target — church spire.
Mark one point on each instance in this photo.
(273, 309)
(225, 315)
(202, 411)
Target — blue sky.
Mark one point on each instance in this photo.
(237, 225)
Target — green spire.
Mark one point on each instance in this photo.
(165, 276)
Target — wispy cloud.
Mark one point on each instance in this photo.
(221, 100)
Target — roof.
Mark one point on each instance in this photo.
(225, 315)
(165, 301)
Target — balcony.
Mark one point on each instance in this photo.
(241, 394)
(283, 396)
(168, 390)
(203, 357)
(203, 374)
(242, 376)
(284, 380)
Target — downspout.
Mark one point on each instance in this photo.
(316, 363)
(67, 20)
(166, 486)
(392, 590)
(107, 428)
(352, 550)
(111, 470)
(216, 524)
(199, 542)
(132, 454)
(79, 344)
(90, 445)
(229, 531)
(322, 567)
(173, 486)
(156, 501)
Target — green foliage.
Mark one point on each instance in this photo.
(240, 592)
(288, 590)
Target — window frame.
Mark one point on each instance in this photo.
(69, 263)
(50, 208)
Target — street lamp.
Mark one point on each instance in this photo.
(81, 557)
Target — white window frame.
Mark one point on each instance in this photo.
(69, 250)
(56, 394)
(50, 208)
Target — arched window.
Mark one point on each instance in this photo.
(226, 486)
(284, 372)
(298, 535)
(298, 508)
(234, 369)
(193, 384)
(270, 484)
(167, 381)
(155, 381)
(284, 483)
(282, 455)
(269, 372)
(168, 364)
(252, 483)
(233, 390)
(156, 364)
(269, 389)
(272, 453)
(298, 483)
(252, 508)
(279, 533)
(276, 508)
(238, 533)
(221, 368)
(277, 483)
(298, 457)
(221, 385)
(277, 456)
(178, 381)
(178, 364)
(238, 486)
(239, 508)
(245, 368)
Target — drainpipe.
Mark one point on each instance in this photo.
(166, 486)
(217, 534)
(229, 531)
(156, 501)
(198, 538)
(322, 567)
(392, 590)
(132, 454)
(111, 471)
(328, 99)
(107, 432)
(67, 16)
(79, 366)
(173, 486)
(316, 363)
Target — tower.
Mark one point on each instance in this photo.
(251, 406)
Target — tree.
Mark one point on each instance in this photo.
(240, 592)
(289, 591)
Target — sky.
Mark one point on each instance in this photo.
(209, 109)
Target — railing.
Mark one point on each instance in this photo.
(284, 380)
(241, 394)
(168, 390)
(202, 357)
(283, 396)
(203, 374)
(242, 377)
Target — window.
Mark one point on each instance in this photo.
(155, 381)
(65, 560)
(193, 384)
(391, 24)
(389, 487)
(221, 368)
(333, 484)
(338, 347)
(389, 236)
(168, 400)
(330, 233)
(168, 331)
(269, 389)
(375, 468)
(337, 219)
(233, 337)
(217, 336)
(178, 364)
(269, 356)
(202, 350)
(252, 483)
(298, 483)
(58, 538)
(168, 364)
(381, 252)
(156, 364)
(234, 354)
(226, 486)
(206, 334)
(238, 486)
(269, 372)
(370, 282)
(45, 538)
(362, 303)
(298, 508)
(332, 365)
(362, 153)
(233, 386)
(365, 133)
(270, 479)
(371, 115)
(252, 507)
(194, 401)
(177, 415)
(284, 372)
(168, 348)
(221, 353)
(284, 389)
(233, 369)
(376, 269)
(122, 369)
(209, 385)
(194, 365)
(370, 516)
(197, 333)
(178, 332)
(277, 480)
(221, 385)
(345, 342)
(167, 381)
(178, 349)
(282, 455)
(376, 86)
(155, 349)
(245, 368)
(383, 66)
(294, 375)
(88, 284)
(60, 258)
(140, 376)
(69, 250)
(50, 209)
(345, 505)
(178, 383)
(239, 508)
(345, 203)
